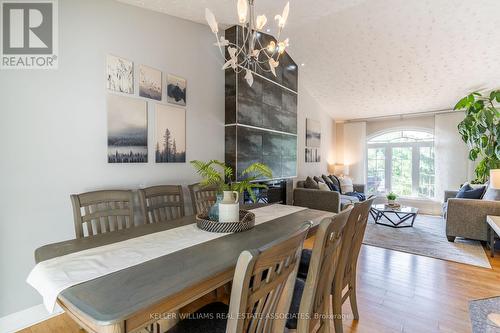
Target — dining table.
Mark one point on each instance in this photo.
(133, 298)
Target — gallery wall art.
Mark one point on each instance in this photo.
(170, 134)
(176, 90)
(150, 83)
(313, 155)
(313, 133)
(313, 141)
(127, 129)
(119, 74)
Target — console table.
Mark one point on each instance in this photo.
(493, 229)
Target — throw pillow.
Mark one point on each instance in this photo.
(336, 182)
(323, 187)
(467, 192)
(330, 184)
(318, 180)
(311, 183)
(346, 184)
(491, 194)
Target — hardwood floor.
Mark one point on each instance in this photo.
(397, 292)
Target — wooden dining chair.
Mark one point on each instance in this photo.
(162, 203)
(261, 293)
(202, 197)
(311, 297)
(102, 211)
(346, 276)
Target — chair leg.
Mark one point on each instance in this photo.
(352, 297)
(337, 311)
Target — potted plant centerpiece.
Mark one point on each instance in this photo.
(391, 198)
(218, 174)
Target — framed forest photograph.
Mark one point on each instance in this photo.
(127, 130)
(170, 134)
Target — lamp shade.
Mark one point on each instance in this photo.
(340, 169)
(495, 179)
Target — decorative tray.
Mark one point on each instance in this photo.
(246, 222)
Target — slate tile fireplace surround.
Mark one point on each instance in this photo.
(261, 120)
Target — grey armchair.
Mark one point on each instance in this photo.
(467, 217)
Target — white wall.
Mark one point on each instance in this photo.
(309, 108)
(53, 127)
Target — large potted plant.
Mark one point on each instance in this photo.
(480, 130)
(218, 174)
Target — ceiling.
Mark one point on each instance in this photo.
(368, 58)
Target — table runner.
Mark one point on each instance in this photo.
(51, 277)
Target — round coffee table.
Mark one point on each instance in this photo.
(394, 217)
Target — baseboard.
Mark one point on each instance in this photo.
(25, 318)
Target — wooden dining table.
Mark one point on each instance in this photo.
(133, 298)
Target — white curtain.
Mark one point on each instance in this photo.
(452, 165)
(355, 150)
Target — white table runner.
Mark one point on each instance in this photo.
(51, 277)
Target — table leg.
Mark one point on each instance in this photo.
(492, 241)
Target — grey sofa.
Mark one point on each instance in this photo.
(467, 217)
(323, 200)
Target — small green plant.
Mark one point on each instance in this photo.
(480, 130)
(223, 178)
(391, 196)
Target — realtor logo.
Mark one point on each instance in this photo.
(29, 34)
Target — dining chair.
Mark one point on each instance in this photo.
(162, 203)
(345, 275)
(102, 211)
(311, 297)
(202, 197)
(261, 292)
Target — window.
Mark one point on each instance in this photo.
(402, 162)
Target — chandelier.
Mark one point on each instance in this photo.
(251, 54)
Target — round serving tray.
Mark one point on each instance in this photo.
(247, 221)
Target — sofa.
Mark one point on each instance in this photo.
(467, 217)
(330, 201)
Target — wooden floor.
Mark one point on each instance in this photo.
(397, 292)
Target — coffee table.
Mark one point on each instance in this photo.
(395, 216)
(494, 229)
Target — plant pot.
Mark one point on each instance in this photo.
(391, 201)
(229, 207)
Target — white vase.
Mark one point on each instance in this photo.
(229, 207)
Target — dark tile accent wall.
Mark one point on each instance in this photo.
(269, 106)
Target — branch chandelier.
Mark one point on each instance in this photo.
(250, 54)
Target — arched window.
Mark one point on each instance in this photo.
(401, 161)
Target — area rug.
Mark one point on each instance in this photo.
(426, 238)
(479, 310)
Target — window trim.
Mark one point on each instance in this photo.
(388, 146)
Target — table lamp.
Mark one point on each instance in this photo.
(341, 170)
(495, 179)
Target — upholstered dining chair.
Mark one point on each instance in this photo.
(162, 203)
(202, 197)
(312, 296)
(261, 293)
(345, 276)
(102, 211)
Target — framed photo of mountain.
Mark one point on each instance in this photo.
(170, 134)
(127, 129)
(176, 90)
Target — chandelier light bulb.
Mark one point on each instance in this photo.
(260, 22)
(242, 10)
(271, 47)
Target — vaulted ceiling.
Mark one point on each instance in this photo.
(366, 58)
